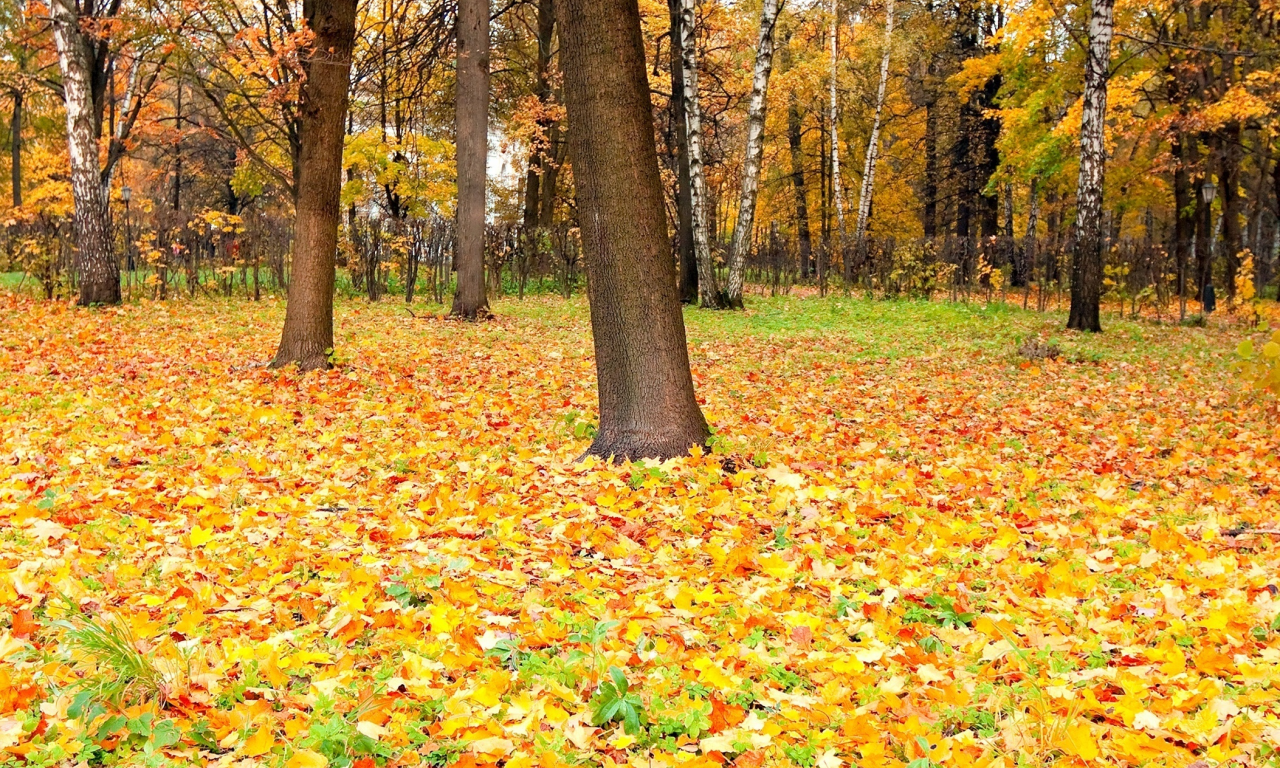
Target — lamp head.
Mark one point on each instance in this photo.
(1208, 191)
(126, 193)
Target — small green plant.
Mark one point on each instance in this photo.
(124, 674)
(940, 611)
(615, 701)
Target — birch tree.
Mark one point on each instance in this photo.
(837, 190)
(708, 290)
(755, 149)
(1086, 267)
(873, 144)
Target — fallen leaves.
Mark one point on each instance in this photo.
(920, 556)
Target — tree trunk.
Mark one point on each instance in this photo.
(1086, 267)
(873, 145)
(833, 107)
(15, 149)
(95, 258)
(684, 196)
(470, 302)
(542, 91)
(1184, 208)
(1232, 241)
(307, 339)
(755, 150)
(797, 180)
(930, 213)
(647, 402)
(708, 290)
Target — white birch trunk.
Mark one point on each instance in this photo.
(708, 291)
(873, 145)
(755, 149)
(95, 260)
(837, 189)
(1086, 268)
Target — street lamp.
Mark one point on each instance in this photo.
(1208, 300)
(126, 194)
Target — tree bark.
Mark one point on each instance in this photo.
(684, 196)
(755, 150)
(307, 340)
(1232, 240)
(647, 403)
(470, 301)
(930, 212)
(542, 91)
(708, 290)
(873, 144)
(95, 258)
(797, 180)
(1184, 208)
(833, 107)
(15, 149)
(1086, 267)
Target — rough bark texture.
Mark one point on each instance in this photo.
(95, 257)
(538, 156)
(470, 301)
(684, 197)
(647, 403)
(930, 213)
(307, 339)
(1086, 267)
(873, 144)
(708, 290)
(755, 150)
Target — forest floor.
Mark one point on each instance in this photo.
(908, 544)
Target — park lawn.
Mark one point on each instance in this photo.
(907, 545)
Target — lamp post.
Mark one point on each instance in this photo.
(126, 194)
(1208, 302)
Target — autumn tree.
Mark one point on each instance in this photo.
(307, 339)
(647, 403)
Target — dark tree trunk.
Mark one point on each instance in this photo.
(647, 402)
(15, 149)
(1086, 266)
(1232, 241)
(684, 185)
(542, 91)
(797, 179)
(962, 169)
(930, 170)
(470, 302)
(308, 323)
(988, 160)
(1184, 226)
(1204, 241)
(548, 186)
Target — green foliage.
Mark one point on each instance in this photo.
(615, 702)
(123, 674)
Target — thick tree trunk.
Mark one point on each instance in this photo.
(988, 160)
(647, 402)
(755, 150)
(15, 149)
(797, 180)
(95, 257)
(1086, 267)
(873, 144)
(470, 302)
(708, 290)
(307, 339)
(833, 108)
(684, 195)
(1184, 226)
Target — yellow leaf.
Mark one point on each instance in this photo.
(1078, 740)
(307, 758)
(259, 743)
(201, 536)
